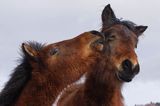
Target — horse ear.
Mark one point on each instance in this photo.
(29, 51)
(108, 16)
(140, 29)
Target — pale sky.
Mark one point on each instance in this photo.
(55, 20)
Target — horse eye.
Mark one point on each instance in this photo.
(111, 37)
(54, 51)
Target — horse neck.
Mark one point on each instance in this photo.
(102, 87)
(41, 91)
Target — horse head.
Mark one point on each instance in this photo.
(122, 39)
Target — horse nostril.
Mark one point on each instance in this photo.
(127, 64)
(129, 67)
(136, 69)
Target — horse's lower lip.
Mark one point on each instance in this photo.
(123, 78)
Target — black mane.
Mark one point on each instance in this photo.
(19, 78)
(129, 24)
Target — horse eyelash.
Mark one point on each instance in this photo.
(54, 51)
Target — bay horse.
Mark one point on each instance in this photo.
(116, 64)
(45, 70)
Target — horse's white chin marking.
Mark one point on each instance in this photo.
(80, 81)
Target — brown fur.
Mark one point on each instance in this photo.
(75, 58)
(102, 86)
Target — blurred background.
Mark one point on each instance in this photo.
(49, 21)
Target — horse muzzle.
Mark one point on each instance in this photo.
(128, 71)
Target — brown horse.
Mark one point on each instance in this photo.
(117, 64)
(45, 70)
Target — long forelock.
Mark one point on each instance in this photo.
(129, 24)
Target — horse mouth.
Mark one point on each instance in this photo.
(124, 77)
(128, 72)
